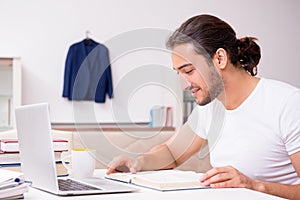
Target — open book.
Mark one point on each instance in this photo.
(163, 180)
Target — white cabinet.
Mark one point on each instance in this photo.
(10, 91)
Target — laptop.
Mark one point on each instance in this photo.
(38, 161)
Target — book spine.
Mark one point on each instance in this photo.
(12, 146)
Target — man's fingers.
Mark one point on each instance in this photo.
(224, 184)
(218, 178)
(116, 164)
(210, 173)
(215, 175)
(134, 167)
(110, 171)
(123, 164)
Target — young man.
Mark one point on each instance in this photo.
(252, 125)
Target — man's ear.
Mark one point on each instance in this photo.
(220, 58)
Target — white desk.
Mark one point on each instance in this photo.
(216, 194)
(145, 194)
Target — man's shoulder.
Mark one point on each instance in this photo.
(279, 87)
(279, 92)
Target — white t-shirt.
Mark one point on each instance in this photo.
(257, 137)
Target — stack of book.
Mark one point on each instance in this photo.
(10, 157)
(12, 185)
(161, 116)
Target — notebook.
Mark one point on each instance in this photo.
(38, 161)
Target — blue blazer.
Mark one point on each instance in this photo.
(88, 72)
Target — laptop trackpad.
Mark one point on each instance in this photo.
(109, 185)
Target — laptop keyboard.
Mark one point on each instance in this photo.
(71, 185)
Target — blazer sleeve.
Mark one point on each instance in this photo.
(109, 84)
(68, 74)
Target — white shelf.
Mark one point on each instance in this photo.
(5, 96)
(10, 91)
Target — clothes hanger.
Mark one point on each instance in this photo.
(87, 34)
(88, 40)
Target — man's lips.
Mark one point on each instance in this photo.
(194, 91)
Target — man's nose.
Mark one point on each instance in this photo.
(185, 83)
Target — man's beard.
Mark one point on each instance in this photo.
(215, 87)
(204, 101)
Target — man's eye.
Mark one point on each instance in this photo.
(189, 71)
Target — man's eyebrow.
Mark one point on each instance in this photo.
(183, 66)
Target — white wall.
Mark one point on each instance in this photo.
(40, 32)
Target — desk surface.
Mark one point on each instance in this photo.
(145, 194)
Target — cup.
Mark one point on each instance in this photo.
(80, 163)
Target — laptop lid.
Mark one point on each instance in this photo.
(35, 144)
(37, 154)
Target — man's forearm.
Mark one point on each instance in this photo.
(158, 158)
(277, 189)
(174, 151)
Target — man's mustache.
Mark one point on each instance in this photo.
(189, 88)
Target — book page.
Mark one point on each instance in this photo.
(169, 176)
(124, 177)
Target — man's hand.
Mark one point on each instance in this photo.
(226, 177)
(122, 164)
